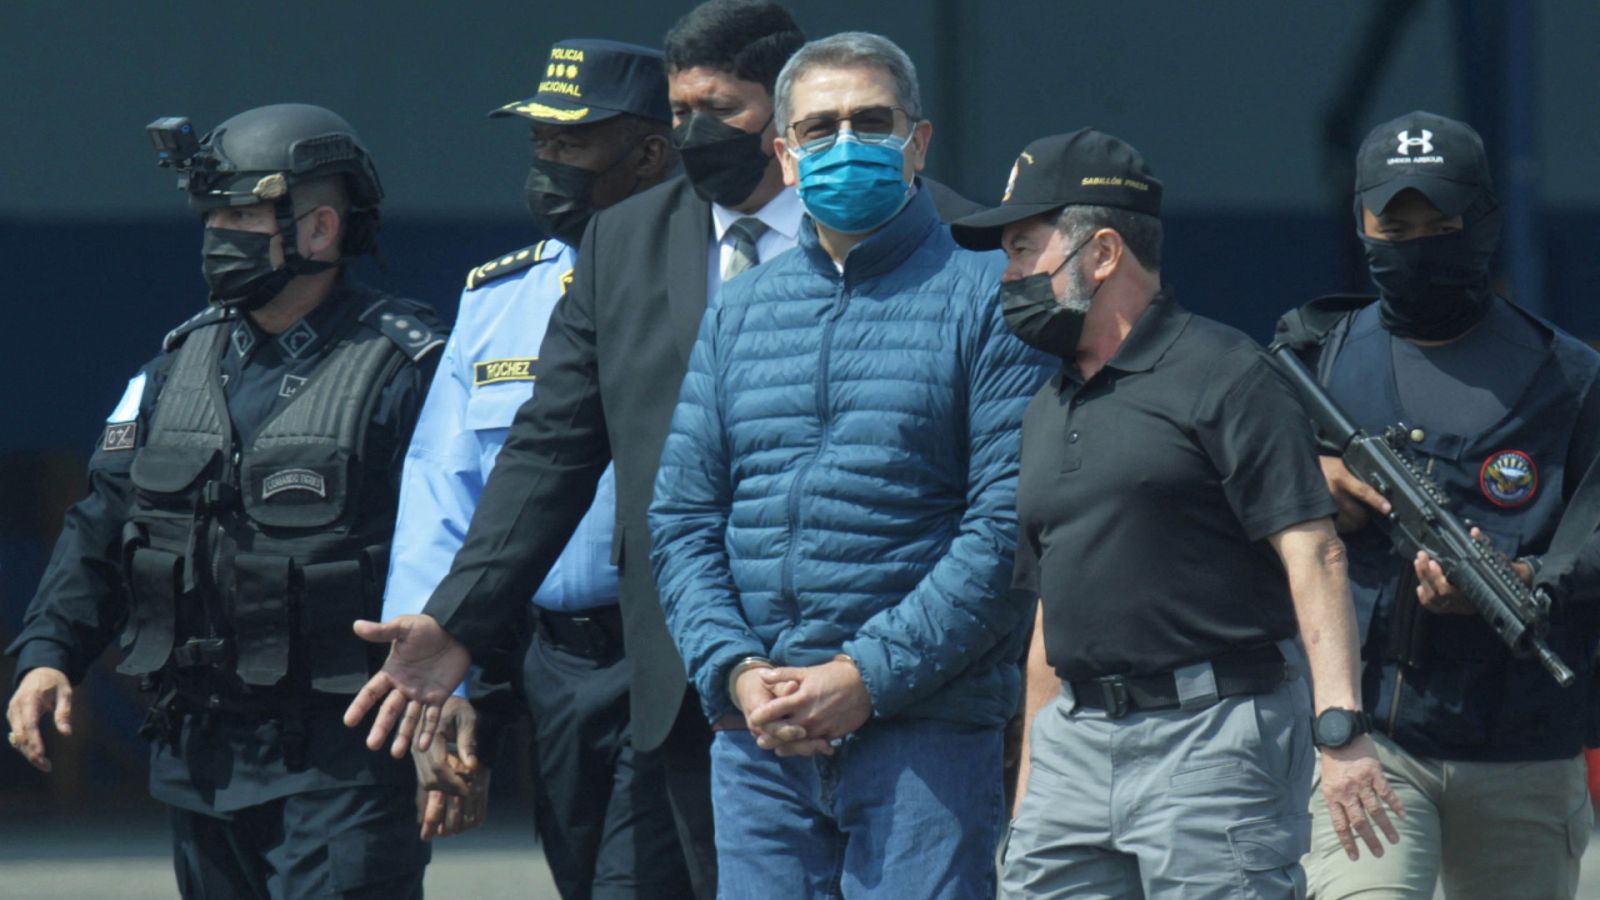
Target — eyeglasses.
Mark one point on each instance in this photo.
(869, 124)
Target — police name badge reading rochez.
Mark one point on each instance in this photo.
(495, 371)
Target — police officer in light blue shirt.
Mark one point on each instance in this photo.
(600, 134)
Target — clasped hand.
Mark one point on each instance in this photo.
(801, 710)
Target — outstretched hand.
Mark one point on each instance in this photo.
(425, 664)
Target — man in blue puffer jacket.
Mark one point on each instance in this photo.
(834, 517)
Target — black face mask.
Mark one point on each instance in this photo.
(561, 199)
(1432, 288)
(724, 163)
(1038, 319)
(238, 267)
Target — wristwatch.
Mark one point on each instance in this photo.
(1335, 727)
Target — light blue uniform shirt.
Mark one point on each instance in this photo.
(486, 373)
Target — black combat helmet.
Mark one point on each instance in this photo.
(261, 153)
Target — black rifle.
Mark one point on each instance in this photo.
(1419, 521)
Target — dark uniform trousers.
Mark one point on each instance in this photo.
(598, 808)
(347, 842)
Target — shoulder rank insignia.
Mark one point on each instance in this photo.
(406, 323)
(506, 265)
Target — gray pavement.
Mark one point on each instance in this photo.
(127, 856)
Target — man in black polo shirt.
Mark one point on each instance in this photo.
(1174, 525)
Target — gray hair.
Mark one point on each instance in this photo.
(1140, 232)
(843, 50)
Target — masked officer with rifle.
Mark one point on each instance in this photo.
(1500, 409)
(240, 506)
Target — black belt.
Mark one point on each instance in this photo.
(1255, 671)
(592, 633)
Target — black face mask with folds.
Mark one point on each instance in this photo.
(724, 163)
(1431, 288)
(238, 267)
(560, 198)
(1041, 321)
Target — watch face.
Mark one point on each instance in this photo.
(1334, 728)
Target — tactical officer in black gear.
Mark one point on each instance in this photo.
(241, 501)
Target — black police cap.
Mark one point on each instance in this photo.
(1442, 158)
(1084, 167)
(590, 80)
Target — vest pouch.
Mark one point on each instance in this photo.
(261, 617)
(296, 485)
(149, 637)
(334, 596)
(166, 472)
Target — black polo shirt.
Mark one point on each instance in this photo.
(1146, 494)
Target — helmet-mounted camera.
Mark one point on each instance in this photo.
(175, 142)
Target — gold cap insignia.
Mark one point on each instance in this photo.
(271, 187)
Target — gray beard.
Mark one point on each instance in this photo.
(1078, 292)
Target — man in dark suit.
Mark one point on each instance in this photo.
(609, 371)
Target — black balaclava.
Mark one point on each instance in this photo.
(1437, 288)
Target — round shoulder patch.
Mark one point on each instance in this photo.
(1509, 478)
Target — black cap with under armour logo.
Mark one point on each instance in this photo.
(591, 80)
(1442, 158)
(1085, 167)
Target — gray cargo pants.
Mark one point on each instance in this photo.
(1205, 801)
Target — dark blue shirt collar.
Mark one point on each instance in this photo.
(305, 337)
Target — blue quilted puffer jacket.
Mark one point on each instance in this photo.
(841, 475)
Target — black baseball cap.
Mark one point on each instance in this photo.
(590, 80)
(1084, 167)
(1442, 158)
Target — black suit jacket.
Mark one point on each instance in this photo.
(608, 376)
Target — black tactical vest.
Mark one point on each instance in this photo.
(249, 564)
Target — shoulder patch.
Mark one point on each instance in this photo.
(208, 316)
(128, 407)
(120, 436)
(499, 267)
(410, 326)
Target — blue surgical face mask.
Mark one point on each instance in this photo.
(854, 187)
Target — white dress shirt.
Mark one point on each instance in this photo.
(781, 215)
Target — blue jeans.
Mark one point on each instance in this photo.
(902, 809)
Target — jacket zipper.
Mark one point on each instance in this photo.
(824, 416)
